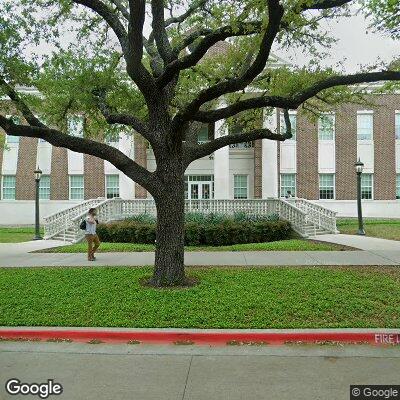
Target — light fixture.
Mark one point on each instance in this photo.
(38, 173)
(359, 166)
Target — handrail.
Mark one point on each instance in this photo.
(299, 212)
(319, 216)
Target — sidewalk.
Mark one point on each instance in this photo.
(360, 242)
(18, 255)
(120, 372)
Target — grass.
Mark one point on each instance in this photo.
(380, 228)
(285, 297)
(16, 235)
(282, 245)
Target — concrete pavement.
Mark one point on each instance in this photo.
(197, 372)
(361, 242)
(383, 253)
(215, 258)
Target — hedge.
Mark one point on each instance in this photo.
(222, 233)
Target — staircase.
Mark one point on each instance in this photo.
(307, 219)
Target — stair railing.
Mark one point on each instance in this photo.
(320, 217)
(299, 212)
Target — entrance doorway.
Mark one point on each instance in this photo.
(199, 187)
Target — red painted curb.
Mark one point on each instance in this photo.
(201, 338)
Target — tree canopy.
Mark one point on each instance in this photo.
(164, 67)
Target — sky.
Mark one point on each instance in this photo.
(357, 45)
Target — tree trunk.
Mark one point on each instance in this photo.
(169, 269)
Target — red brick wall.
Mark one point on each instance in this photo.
(141, 159)
(93, 168)
(59, 179)
(25, 180)
(385, 148)
(307, 158)
(346, 152)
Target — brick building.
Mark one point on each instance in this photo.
(316, 164)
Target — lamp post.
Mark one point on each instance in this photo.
(38, 175)
(359, 169)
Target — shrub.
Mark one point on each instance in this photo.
(209, 229)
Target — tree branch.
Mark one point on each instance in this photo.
(245, 28)
(118, 118)
(109, 16)
(121, 8)
(324, 4)
(20, 104)
(159, 31)
(192, 9)
(133, 56)
(194, 152)
(293, 102)
(86, 146)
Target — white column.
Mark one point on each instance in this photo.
(269, 151)
(221, 165)
(126, 184)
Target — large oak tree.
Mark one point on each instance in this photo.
(146, 66)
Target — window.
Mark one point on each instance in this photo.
(44, 187)
(112, 186)
(326, 127)
(397, 125)
(10, 139)
(240, 187)
(366, 186)
(75, 125)
(8, 187)
(288, 185)
(76, 187)
(202, 135)
(293, 124)
(365, 126)
(326, 186)
(398, 186)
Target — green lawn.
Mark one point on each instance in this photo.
(285, 297)
(16, 235)
(287, 245)
(381, 228)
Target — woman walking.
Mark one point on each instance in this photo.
(90, 234)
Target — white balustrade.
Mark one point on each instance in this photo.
(299, 212)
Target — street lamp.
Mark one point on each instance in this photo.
(359, 169)
(38, 175)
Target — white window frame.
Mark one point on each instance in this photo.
(397, 126)
(292, 186)
(372, 185)
(282, 125)
(76, 187)
(241, 187)
(398, 186)
(41, 188)
(327, 187)
(362, 114)
(109, 187)
(327, 115)
(8, 187)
